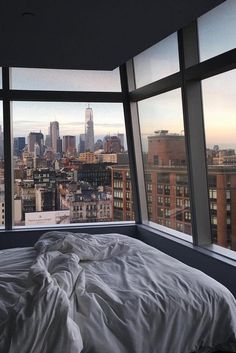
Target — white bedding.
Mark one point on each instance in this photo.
(109, 294)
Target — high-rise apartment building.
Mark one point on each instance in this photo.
(54, 134)
(89, 130)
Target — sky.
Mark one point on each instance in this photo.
(65, 80)
(35, 116)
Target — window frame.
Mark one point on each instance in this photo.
(189, 78)
(8, 95)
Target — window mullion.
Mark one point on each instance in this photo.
(195, 141)
(134, 144)
(7, 149)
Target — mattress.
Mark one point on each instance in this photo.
(109, 293)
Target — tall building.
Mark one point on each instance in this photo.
(69, 144)
(54, 134)
(122, 207)
(112, 145)
(19, 145)
(122, 139)
(35, 138)
(82, 143)
(89, 131)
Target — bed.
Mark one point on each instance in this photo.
(76, 292)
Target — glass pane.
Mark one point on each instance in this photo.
(2, 186)
(65, 80)
(159, 61)
(63, 169)
(217, 30)
(219, 103)
(166, 177)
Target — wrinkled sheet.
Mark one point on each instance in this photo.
(109, 294)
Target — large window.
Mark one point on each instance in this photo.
(220, 126)
(157, 62)
(63, 166)
(65, 80)
(164, 156)
(217, 30)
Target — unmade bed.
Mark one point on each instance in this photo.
(109, 293)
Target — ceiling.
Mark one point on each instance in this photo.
(89, 34)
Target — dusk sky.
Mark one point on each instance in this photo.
(35, 116)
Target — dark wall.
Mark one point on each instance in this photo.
(26, 238)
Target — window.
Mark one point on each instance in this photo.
(57, 170)
(220, 127)
(157, 62)
(217, 30)
(65, 80)
(179, 202)
(162, 134)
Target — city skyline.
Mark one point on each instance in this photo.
(70, 116)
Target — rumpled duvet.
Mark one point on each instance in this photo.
(109, 294)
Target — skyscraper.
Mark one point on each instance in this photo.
(89, 131)
(82, 143)
(121, 137)
(54, 134)
(19, 145)
(35, 138)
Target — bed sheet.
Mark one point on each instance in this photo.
(109, 294)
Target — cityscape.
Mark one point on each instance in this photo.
(60, 181)
(63, 179)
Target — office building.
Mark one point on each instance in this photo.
(54, 135)
(35, 138)
(89, 130)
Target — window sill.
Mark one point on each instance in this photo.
(213, 251)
